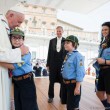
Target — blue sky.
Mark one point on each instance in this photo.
(90, 22)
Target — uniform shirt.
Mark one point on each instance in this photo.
(106, 54)
(59, 44)
(23, 68)
(74, 66)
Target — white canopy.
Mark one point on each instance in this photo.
(6, 4)
(80, 6)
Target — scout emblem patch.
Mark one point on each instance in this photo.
(81, 63)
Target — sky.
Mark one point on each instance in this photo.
(90, 22)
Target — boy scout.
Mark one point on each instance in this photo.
(24, 87)
(73, 72)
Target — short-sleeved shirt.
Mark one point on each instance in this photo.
(73, 67)
(106, 54)
(24, 67)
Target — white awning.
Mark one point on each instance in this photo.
(80, 6)
(6, 4)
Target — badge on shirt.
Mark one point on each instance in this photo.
(81, 62)
(20, 64)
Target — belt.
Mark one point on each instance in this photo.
(22, 77)
(69, 81)
(105, 67)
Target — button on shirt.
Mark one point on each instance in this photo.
(23, 68)
(59, 44)
(74, 66)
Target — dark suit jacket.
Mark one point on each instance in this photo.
(51, 51)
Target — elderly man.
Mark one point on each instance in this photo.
(12, 19)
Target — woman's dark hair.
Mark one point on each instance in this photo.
(108, 37)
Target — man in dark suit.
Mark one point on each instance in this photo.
(56, 54)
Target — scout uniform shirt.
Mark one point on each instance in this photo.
(73, 67)
(24, 67)
(106, 54)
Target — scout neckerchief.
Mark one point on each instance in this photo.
(66, 58)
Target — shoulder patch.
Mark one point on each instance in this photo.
(81, 63)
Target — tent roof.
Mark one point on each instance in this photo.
(80, 6)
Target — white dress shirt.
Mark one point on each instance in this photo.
(58, 44)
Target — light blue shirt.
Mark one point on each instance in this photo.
(23, 68)
(74, 66)
(106, 54)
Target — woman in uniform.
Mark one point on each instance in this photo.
(103, 86)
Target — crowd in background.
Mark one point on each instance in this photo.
(39, 67)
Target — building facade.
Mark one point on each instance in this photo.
(40, 25)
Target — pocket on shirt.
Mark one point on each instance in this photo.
(69, 63)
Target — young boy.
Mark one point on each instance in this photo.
(24, 87)
(73, 72)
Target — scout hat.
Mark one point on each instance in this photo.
(17, 32)
(73, 39)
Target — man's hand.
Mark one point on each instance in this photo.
(101, 61)
(24, 50)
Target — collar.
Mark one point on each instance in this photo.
(59, 38)
(4, 18)
(75, 50)
(5, 22)
(70, 53)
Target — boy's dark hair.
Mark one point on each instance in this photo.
(74, 45)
